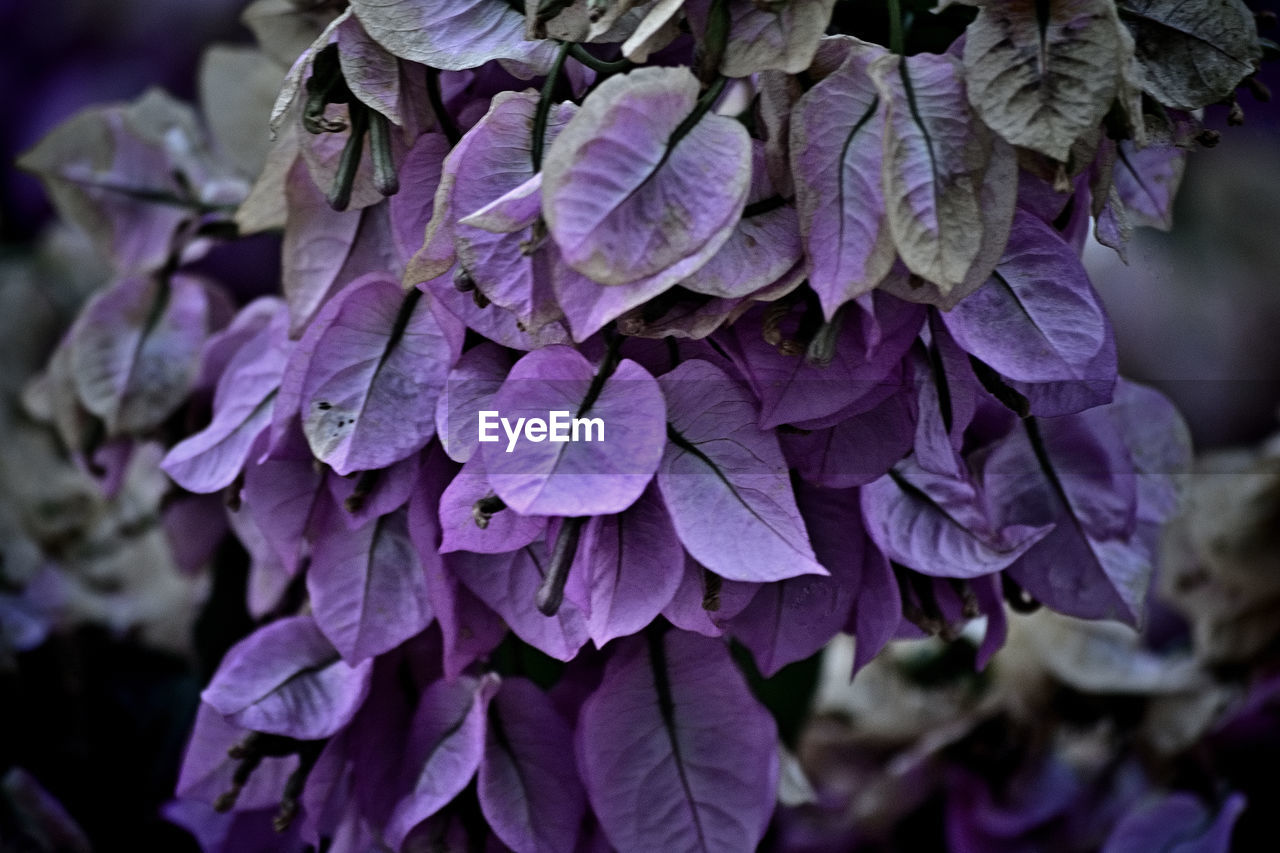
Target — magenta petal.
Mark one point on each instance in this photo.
(517, 208)
(1177, 821)
(1097, 562)
(858, 449)
(371, 73)
(675, 752)
(317, 241)
(877, 613)
(767, 37)
(704, 603)
(1147, 180)
(106, 167)
(222, 345)
(792, 390)
(375, 493)
(496, 197)
(452, 34)
(938, 527)
(792, 619)
(207, 769)
(468, 627)
(1038, 319)
(470, 387)
(762, 248)
(500, 326)
(588, 305)
(950, 183)
(419, 177)
(284, 494)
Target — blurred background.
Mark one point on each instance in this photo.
(95, 708)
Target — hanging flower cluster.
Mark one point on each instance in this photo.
(823, 297)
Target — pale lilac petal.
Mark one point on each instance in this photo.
(725, 481)
(619, 206)
(286, 679)
(586, 477)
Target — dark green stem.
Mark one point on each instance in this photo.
(764, 205)
(550, 593)
(705, 102)
(895, 27)
(349, 164)
(544, 107)
(598, 65)
(447, 125)
(710, 51)
(607, 366)
(385, 178)
(822, 346)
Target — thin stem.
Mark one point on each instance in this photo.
(710, 51)
(598, 65)
(349, 163)
(150, 196)
(895, 27)
(447, 125)
(550, 593)
(765, 205)
(544, 106)
(705, 102)
(385, 178)
(607, 366)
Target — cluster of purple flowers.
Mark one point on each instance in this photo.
(824, 296)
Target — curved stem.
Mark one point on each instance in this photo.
(598, 65)
(705, 102)
(710, 51)
(544, 107)
(349, 164)
(550, 594)
(607, 365)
